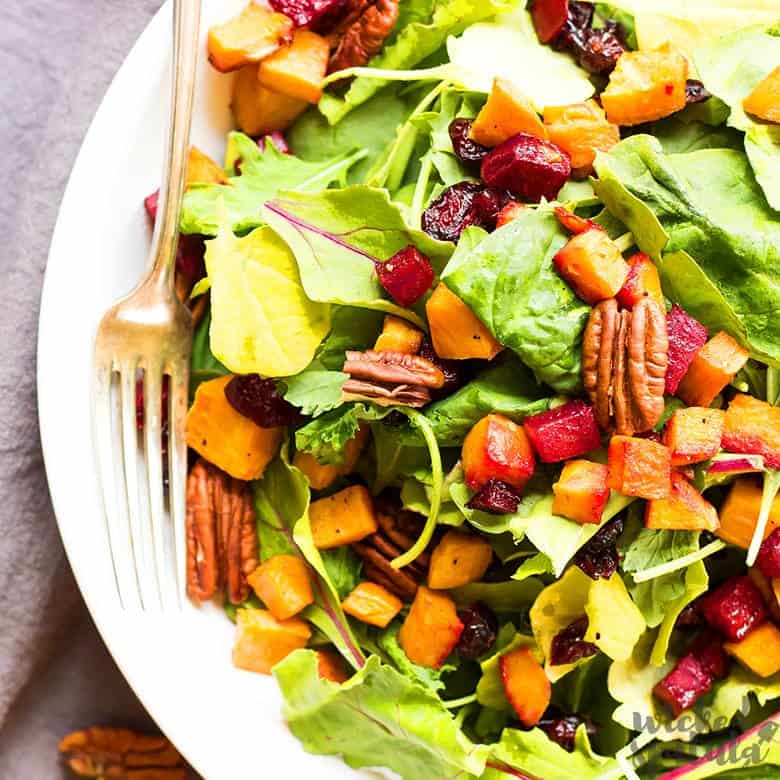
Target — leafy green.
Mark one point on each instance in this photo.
(350, 328)
(732, 695)
(387, 642)
(315, 390)
(654, 547)
(502, 597)
(490, 689)
(417, 495)
(677, 136)
(203, 364)
(343, 567)
(533, 567)
(609, 11)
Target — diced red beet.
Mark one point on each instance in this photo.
(707, 648)
(150, 203)
(406, 276)
(260, 401)
(735, 608)
(496, 497)
(686, 337)
(769, 555)
(565, 432)
(684, 685)
(549, 18)
(574, 223)
(568, 644)
(598, 557)
(306, 12)
(277, 139)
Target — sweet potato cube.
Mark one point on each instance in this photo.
(330, 666)
(254, 34)
(739, 513)
(458, 559)
(759, 651)
(497, 448)
(262, 640)
(639, 467)
(581, 130)
(686, 337)
(297, 69)
(507, 112)
(323, 475)
(398, 336)
(645, 86)
(456, 332)
(259, 110)
(581, 493)
(568, 431)
(684, 685)
(711, 369)
(573, 223)
(373, 604)
(201, 169)
(431, 629)
(226, 438)
(693, 434)
(283, 584)
(684, 510)
(592, 264)
(526, 684)
(345, 517)
(752, 426)
(642, 281)
(511, 211)
(764, 101)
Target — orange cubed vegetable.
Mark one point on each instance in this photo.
(511, 211)
(645, 86)
(507, 112)
(456, 332)
(297, 69)
(282, 583)
(201, 169)
(226, 438)
(684, 510)
(458, 559)
(323, 475)
(345, 517)
(592, 264)
(759, 651)
(711, 369)
(262, 640)
(398, 336)
(431, 629)
(581, 492)
(330, 666)
(254, 34)
(373, 604)
(764, 101)
(581, 130)
(693, 434)
(497, 448)
(642, 281)
(526, 684)
(639, 467)
(739, 513)
(259, 110)
(753, 426)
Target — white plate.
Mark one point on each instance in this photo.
(225, 721)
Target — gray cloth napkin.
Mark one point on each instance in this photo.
(57, 58)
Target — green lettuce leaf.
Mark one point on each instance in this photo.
(417, 496)
(350, 328)
(502, 597)
(343, 567)
(734, 695)
(315, 390)
(652, 548)
(678, 136)
(203, 364)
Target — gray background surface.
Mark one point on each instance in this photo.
(57, 57)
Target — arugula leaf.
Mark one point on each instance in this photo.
(203, 364)
(315, 390)
(263, 174)
(509, 282)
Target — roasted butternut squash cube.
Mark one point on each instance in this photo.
(373, 604)
(262, 640)
(764, 101)
(398, 336)
(581, 492)
(526, 684)
(323, 475)
(693, 434)
(201, 169)
(431, 629)
(639, 467)
(507, 112)
(739, 513)
(297, 70)
(456, 332)
(645, 86)
(259, 110)
(283, 584)
(581, 130)
(642, 281)
(226, 438)
(711, 369)
(249, 37)
(592, 264)
(759, 651)
(684, 510)
(458, 559)
(345, 517)
(752, 426)
(330, 666)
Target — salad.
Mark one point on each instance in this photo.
(484, 411)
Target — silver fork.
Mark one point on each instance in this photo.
(149, 333)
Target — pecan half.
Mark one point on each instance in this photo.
(385, 395)
(121, 754)
(362, 33)
(648, 358)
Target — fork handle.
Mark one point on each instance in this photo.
(186, 28)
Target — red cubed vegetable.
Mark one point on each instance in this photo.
(307, 12)
(406, 276)
(642, 282)
(752, 426)
(549, 17)
(735, 608)
(684, 685)
(565, 432)
(686, 337)
(707, 648)
(574, 223)
(769, 555)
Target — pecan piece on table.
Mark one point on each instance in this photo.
(121, 754)
(221, 537)
(362, 33)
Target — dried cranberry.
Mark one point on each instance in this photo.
(454, 371)
(598, 557)
(529, 166)
(460, 206)
(598, 51)
(769, 555)
(561, 727)
(260, 401)
(735, 608)
(480, 628)
(466, 150)
(305, 12)
(569, 646)
(190, 257)
(406, 275)
(695, 92)
(496, 497)
(689, 617)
